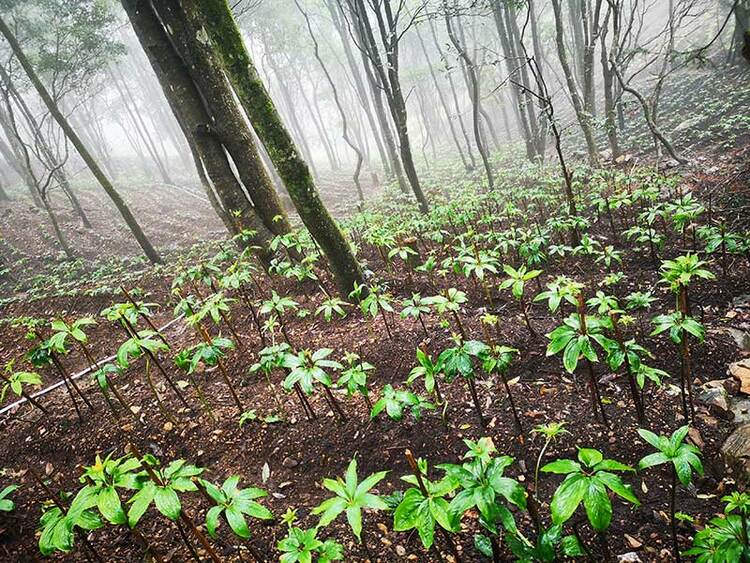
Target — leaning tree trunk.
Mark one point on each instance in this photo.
(228, 126)
(122, 207)
(187, 106)
(215, 17)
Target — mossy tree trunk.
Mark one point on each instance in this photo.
(229, 123)
(186, 103)
(93, 166)
(215, 17)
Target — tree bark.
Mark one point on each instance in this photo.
(215, 17)
(231, 128)
(186, 103)
(475, 103)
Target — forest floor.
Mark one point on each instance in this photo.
(301, 453)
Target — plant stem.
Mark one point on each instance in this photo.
(418, 474)
(675, 545)
(475, 399)
(26, 396)
(183, 515)
(516, 417)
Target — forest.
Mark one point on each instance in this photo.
(375, 281)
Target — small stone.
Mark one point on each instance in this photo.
(633, 542)
(629, 557)
(168, 426)
(400, 550)
(289, 462)
(385, 541)
(714, 395)
(695, 437)
(736, 448)
(741, 372)
(383, 528)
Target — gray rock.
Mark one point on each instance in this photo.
(736, 450)
(741, 409)
(742, 301)
(713, 394)
(629, 557)
(741, 337)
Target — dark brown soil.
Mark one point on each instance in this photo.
(301, 453)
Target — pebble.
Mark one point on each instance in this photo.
(400, 550)
(289, 462)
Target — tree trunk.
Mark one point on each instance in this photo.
(456, 105)
(336, 16)
(584, 118)
(122, 207)
(52, 162)
(342, 113)
(186, 103)
(441, 98)
(475, 103)
(227, 123)
(388, 78)
(216, 18)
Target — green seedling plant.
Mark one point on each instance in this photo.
(277, 306)
(103, 377)
(575, 338)
(351, 497)
(234, 505)
(303, 546)
(725, 539)
(396, 401)
(683, 459)
(497, 359)
(459, 361)
(218, 308)
(550, 544)
(425, 508)
(588, 481)
(162, 487)
(377, 301)
(210, 354)
(62, 333)
(561, 290)
(679, 326)
(450, 302)
(516, 282)
(271, 358)
(551, 431)
(146, 343)
(59, 525)
(6, 503)
(305, 369)
(429, 371)
(720, 239)
(628, 354)
(330, 306)
(604, 303)
(164, 492)
(16, 382)
(354, 377)
(483, 486)
(416, 307)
